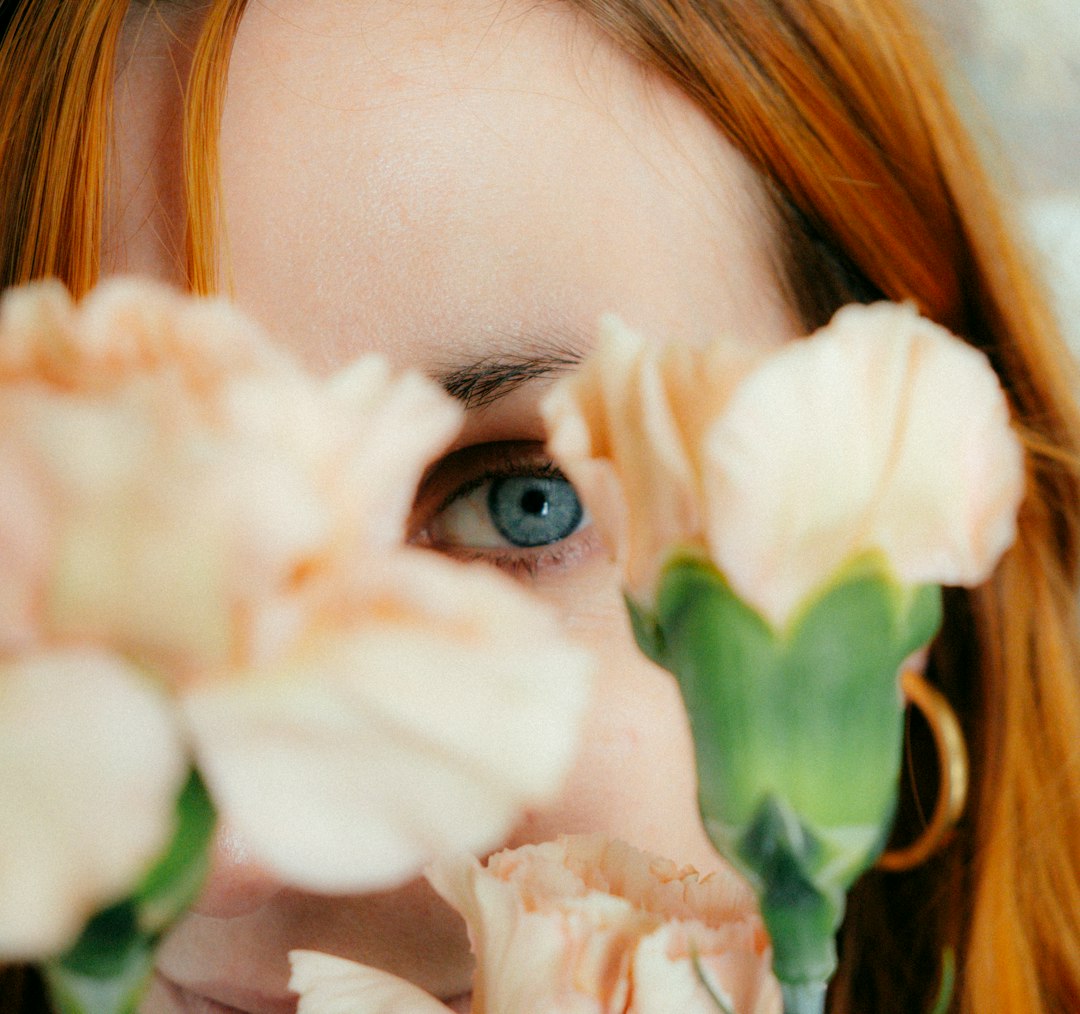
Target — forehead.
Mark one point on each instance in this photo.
(424, 178)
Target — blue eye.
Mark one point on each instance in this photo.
(533, 510)
(500, 511)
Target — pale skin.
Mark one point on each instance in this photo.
(444, 184)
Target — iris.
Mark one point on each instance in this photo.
(531, 510)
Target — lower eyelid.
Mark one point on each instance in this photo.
(532, 563)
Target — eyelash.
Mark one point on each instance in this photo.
(531, 564)
(509, 470)
(500, 460)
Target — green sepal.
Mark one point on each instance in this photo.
(797, 734)
(811, 715)
(108, 968)
(103, 949)
(173, 883)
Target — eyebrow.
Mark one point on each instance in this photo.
(486, 380)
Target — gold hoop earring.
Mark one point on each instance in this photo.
(953, 768)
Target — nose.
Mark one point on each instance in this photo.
(236, 884)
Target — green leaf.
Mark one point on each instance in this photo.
(101, 952)
(174, 881)
(107, 970)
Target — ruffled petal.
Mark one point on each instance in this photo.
(880, 433)
(92, 764)
(628, 429)
(424, 724)
(588, 925)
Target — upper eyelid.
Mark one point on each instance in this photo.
(488, 460)
(547, 471)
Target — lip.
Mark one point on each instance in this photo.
(222, 998)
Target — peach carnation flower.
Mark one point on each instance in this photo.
(880, 433)
(581, 925)
(214, 537)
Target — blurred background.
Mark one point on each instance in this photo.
(1016, 71)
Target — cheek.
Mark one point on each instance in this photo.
(634, 777)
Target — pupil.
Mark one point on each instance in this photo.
(534, 501)
(530, 510)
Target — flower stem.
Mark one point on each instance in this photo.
(803, 997)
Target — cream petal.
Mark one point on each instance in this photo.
(161, 513)
(33, 322)
(577, 438)
(787, 505)
(177, 510)
(478, 665)
(400, 423)
(947, 510)
(130, 327)
(142, 553)
(424, 726)
(330, 985)
(628, 429)
(26, 537)
(666, 986)
(569, 953)
(360, 438)
(880, 432)
(681, 967)
(658, 473)
(323, 794)
(524, 959)
(92, 765)
(613, 430)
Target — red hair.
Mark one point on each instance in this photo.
(839, 106)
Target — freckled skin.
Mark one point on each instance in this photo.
(429, 182)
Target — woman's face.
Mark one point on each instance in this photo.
(464, 187)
